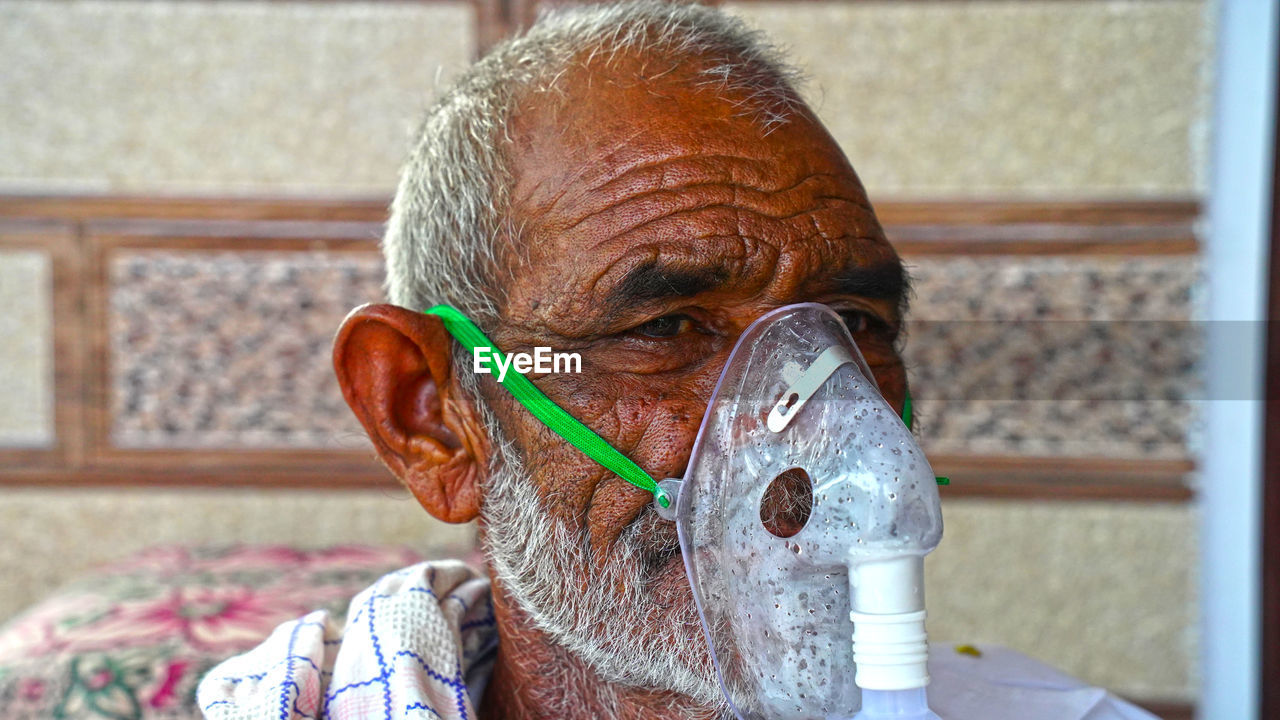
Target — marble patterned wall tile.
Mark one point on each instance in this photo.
(232, 349)
(1104, 591)
(210, 96)
(1055, 356)
(26, 349)
(1007, 98)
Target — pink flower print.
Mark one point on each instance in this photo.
(213, 619)
(99, 679)
(362, 557)
(253, 557)
(31, 689)
(102, 686)
(166, 695)
(43, 629)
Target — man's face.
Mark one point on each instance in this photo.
(655, 223)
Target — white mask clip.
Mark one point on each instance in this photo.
(791, 401)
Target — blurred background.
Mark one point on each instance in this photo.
(191, 195)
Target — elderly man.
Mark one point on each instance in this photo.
(634, 183)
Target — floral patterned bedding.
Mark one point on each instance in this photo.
(131, 641)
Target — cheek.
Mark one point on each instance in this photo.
(652, 419)
(664, 424)
(649, 419)
(658, 425)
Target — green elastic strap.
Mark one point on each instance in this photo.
(542, 407)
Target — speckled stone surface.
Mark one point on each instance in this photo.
(998, 98)
(51, 536)
(1104, 591)
(219, 96)
(225, 349)
(1055, 355)
(26, 349)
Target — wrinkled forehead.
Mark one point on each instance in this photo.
(640, 160)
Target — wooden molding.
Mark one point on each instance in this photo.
(971, 477)
(1155, 211)
(85, 208)
(1020, 227)
(1044, 239)
(368, 477)
(231, 237)
(1138, 227)
(1064, 478)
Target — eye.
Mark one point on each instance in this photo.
(667, 326)
(866, 326)
(857, 321)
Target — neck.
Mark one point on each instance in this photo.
(535, 678)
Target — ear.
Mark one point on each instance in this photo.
(395, 369)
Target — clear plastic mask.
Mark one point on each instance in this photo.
(801, 470)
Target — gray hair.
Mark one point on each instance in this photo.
(450, 210)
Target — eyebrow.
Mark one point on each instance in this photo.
(885, 281)
(652, 280)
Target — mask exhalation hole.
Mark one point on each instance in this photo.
(787, 503)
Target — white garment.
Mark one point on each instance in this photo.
(421, 643)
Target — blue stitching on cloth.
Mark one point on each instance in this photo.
(382, 664)
(234, 679)
(488, 620)
(451, 682)
(457, 683)
(350, 686)
(297, 711)
(288, 674)
(460, 692)
(308, 660)
(367, 613)
(482, 622)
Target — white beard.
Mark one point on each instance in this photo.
(604, 616)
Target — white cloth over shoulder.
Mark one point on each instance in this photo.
(1001, 684)
(420, 643)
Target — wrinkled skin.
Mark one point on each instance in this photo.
(656, 224)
